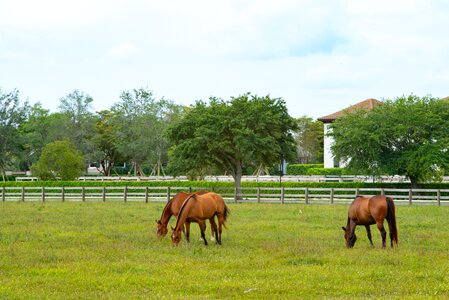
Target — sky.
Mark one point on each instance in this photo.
(319, 56)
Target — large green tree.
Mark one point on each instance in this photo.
(406, 136)
(12, 114)
(59, 159)
(245, 131)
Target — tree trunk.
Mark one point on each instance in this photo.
(237, 182)
(413, 182)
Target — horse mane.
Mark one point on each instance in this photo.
(182, 208)
(166, 207)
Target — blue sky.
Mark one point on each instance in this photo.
(319, 56)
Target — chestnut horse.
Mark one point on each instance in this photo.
(172, 208)
(198, 208)
(368, 211)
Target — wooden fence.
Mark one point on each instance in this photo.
(258, 195)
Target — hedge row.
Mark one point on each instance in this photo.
(301, 169)
(216, 184)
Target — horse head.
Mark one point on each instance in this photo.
(175, 236)
(161, 229)
(350, 239)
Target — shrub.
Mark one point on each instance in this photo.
(301, 169)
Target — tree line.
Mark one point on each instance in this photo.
(245, 134)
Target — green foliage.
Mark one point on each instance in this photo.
(407, 136)
(140, 121)
(12, 115)
(325, 171)
(246, 130)
(269, 251)
(59, 159)
(309, 139)
(301, 169)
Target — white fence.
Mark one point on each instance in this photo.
(265, 178)
(259, 195)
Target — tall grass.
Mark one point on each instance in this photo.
(269, 251)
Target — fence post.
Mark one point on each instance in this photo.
(146, 194)
(168, 194)
(103, 194)
(332, 195)
(43, 194)
(62, 194)
(306, 195)
(235, 195)
(439, 197)
(282, 195)
(190, 189)
(258, 195)
(83, 194)
(356, 192)
(410, 197)
(23, 194)
(3, 194)
(382, 191)
(125, 194)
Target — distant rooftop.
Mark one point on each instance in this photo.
(365, 104)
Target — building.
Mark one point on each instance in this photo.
(329, 160)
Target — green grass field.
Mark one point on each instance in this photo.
(270, 251)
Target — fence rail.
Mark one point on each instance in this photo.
(261, 178)
(258, 195)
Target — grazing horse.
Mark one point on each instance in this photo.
(198, 208)
(368, 211)
(172, 208)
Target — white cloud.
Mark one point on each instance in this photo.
(123, 51)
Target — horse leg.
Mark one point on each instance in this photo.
(368, 232)
(187, 231)
(221, 221)
(383, 232)
(214, 230)
(202, 225)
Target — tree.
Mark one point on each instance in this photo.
(34, 132)
(59, 159)
(407, 136)
(245, 131)
(76, 110)
(12, 115)
(309, 138)
(141, 120)
(106, 141)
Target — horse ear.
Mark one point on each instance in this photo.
(344, 229)
(172, 228)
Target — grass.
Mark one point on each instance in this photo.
(270, 251)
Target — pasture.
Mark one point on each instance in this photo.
(97, 250)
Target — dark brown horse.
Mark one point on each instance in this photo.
(172, 208)
(369, 211)
(198, 208)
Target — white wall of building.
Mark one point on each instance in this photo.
(328, 141)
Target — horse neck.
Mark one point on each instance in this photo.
(183, 213)
(166, 214)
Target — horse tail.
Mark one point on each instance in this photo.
(391, 219)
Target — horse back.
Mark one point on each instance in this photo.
(209, 204)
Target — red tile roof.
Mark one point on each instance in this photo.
(365, 104)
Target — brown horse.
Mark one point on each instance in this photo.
(172, 208)
(368, 211)
(198, 208)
